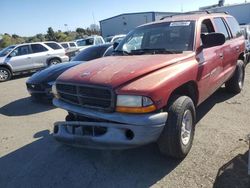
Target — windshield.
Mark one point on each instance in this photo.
(85, 42)
(167, 37)
(6, 50)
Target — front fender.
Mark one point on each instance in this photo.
(160, 84)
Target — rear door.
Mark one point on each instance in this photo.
(228, 55)
(39, 56)
(20, 58)
(236, 45)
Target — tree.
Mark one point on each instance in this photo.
(94, 27)
(15, 36)
(41, 37)
(61, 37)
(80, 32)
(51, 34)
(6, 41)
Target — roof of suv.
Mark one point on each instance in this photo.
(34, 43)
(189, 16)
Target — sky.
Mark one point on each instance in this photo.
(30, 17)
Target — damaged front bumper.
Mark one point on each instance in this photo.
(108, 130)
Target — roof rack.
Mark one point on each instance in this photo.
(192, 12)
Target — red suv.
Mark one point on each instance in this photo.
(149, 89)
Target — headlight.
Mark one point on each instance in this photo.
(134, 104)
(54, 91)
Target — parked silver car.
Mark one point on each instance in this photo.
(29, 57)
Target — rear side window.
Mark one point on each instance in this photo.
(53, 45)
(72, 44)
(221, 28)
(98, 41)
(64, 45)
(234, 27)
(36, 48)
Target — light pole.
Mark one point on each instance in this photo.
(66, 27)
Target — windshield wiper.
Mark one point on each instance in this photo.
(122, 52)
(153, 51)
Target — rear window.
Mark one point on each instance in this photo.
(90, 53)
(109, 51)
(234, 27)
(72, 44)
(53, 45)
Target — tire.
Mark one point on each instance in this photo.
(5, 74)
(236, 83)
(53, 62)
(175, 141)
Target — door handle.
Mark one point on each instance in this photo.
(28, 57)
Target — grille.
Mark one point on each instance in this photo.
(86, 95)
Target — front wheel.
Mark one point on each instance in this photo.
(177, 137)
(5, 74)
(235, 84)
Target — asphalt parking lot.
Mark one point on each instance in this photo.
(30, 157)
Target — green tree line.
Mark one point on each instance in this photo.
(51, 35)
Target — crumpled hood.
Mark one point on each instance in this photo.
(51, 73)
(116, 70)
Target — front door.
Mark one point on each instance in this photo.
(20, 59)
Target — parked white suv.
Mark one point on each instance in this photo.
(29, 57)
(89, 41)
(115, 38)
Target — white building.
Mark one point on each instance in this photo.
(240, 11)
(123, 23)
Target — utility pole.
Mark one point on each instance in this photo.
(93, 15)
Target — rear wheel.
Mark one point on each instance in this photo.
(235, 84)
(5, 74)
(54, 62)
(177, 137)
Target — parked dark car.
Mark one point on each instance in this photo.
(39, 84)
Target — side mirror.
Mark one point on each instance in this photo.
(115, 45)
(213, 39)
